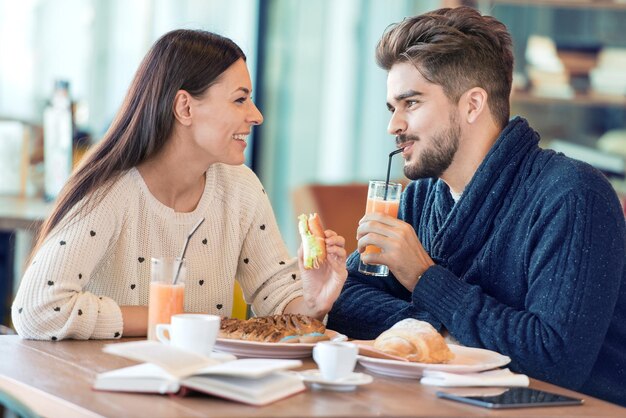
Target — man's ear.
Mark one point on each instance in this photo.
(476, 103)
(182, 107)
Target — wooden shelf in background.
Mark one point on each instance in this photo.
(587, 99)
(578, 4)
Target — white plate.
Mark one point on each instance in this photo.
(242, 348)
(466, 360)
(348, 383)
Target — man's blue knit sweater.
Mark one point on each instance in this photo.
(530, 262)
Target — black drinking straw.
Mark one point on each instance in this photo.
(391, 154)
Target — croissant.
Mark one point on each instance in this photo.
(414, 340)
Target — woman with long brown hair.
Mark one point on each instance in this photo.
(173, 155)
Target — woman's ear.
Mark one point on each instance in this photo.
(182, 107)
(476, 103)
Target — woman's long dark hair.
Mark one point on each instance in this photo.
(190, 60)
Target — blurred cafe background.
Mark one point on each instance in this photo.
(314, 78)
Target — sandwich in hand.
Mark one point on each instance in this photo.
(313, 240)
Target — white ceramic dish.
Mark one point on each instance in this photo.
(345, 384)
(466, 360)
(242, 348)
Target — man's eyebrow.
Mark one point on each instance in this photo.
(407, 94)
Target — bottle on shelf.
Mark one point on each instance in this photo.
(58, 136)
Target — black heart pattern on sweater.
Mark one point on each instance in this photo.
(263, 227)
(53, 338)
(132, 286)
(204, 241)
(92, 233)
(50, 282)
(80, 275)
(20, 310)
(117, 334)
(265, 298)
(263, 190)
(141, 259)
(281, 263)
(62, 242)
(201, 282)
(245, 260)
(219, 306)
(57, 309)
(293, 276)
(80, 312)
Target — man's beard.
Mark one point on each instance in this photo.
(434, 161)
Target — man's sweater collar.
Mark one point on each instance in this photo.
(462, 228)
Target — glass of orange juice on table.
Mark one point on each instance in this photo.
(383, 198)
(166, 297)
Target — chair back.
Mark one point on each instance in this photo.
(340, 207)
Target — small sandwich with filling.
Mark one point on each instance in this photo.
(313, 240)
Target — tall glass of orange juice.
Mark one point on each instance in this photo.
(166, 298)
(383, 201)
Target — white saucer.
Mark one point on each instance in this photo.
(345, 384)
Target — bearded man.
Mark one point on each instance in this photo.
(502, 244)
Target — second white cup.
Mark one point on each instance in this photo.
(191, 332)
(335, 359)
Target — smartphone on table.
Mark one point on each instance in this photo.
(509, 398)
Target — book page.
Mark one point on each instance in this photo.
(145, 377)
(260, 391)
(250, 368)
(177, 362)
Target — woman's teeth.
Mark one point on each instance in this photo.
(240, 137)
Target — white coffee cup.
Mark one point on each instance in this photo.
(192, 332)
(335, 359)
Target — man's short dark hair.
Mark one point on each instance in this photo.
(457, 49)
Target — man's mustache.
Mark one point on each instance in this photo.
(403, 139)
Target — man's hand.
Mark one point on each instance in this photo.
(402, 250)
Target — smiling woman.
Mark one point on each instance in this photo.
(173, 155)
(224, 115)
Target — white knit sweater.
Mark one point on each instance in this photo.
(84, 271)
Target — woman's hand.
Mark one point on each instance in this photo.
(322, 286)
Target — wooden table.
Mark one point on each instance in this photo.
(67, 369)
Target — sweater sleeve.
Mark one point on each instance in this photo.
(51, 303)
(575, 264)
(268, 275)
(369, 305)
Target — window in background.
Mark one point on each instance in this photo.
(97, 45)
(324, 97)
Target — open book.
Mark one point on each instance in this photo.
(171, 370)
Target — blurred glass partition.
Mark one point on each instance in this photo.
(325, 98)
(97, 45)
